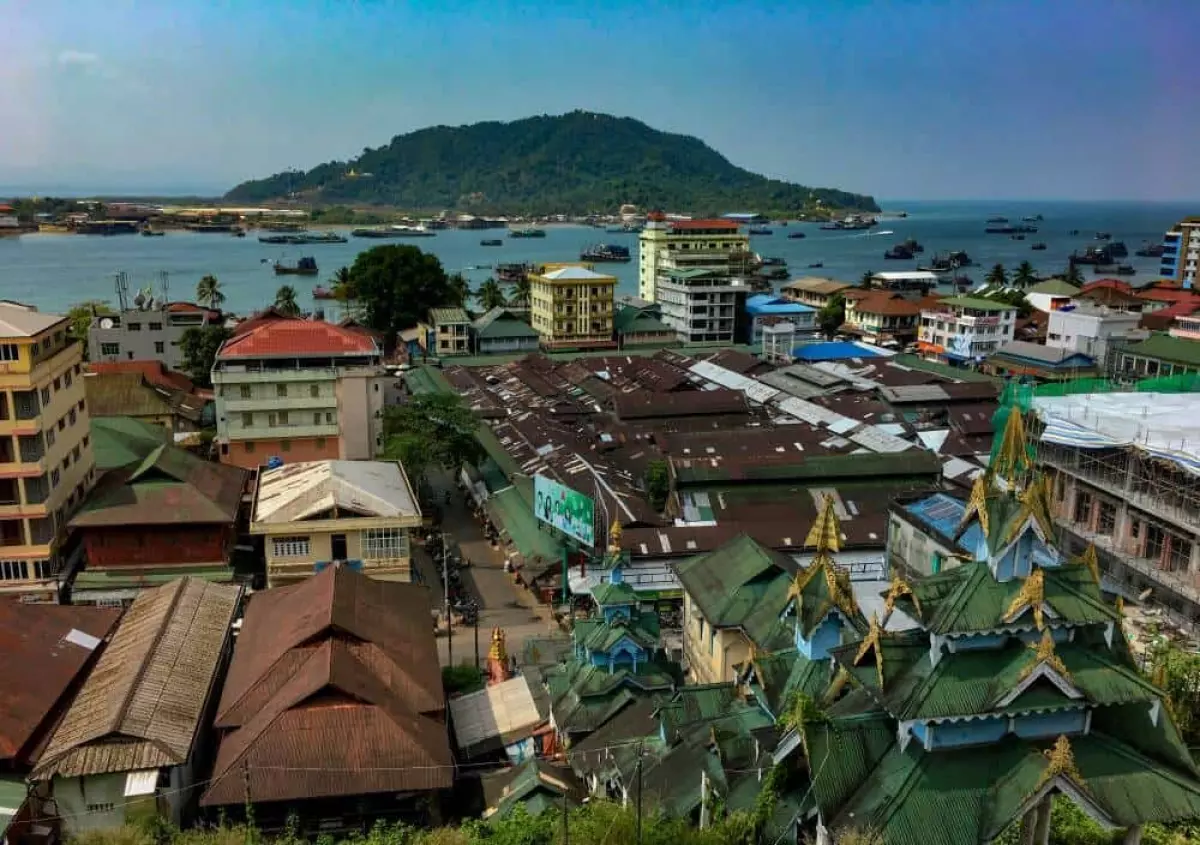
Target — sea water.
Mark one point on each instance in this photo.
(55, 271)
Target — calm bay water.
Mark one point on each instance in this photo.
(55, 271)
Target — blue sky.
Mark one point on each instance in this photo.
(1064, 99)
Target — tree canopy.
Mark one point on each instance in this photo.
(199, 346)
(431, 429)
(285, 301)
(208, 292)
(490, 295)
(832, 315)
(395, 285)
(81, 316)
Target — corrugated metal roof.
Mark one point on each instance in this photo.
(300, 491)
(141, 706)
(18, 320)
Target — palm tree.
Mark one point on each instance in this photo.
(340, 281)
(519, 291)
(285, 301)
(490, 295)
(997, 277)
(208, 292)
(1025, 276)
(1074, 275)
(866, 280)
(460, 290)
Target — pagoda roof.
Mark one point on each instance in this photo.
(1012, 679)
(601, 636)
(584, 697)
(614, 594)
(782, 674)
(824, 586)
(968, 599)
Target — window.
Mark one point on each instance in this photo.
(156, 327)
(245, 391)
(45, 396)
(66, 462)
(283, 418)
(43, 569)
(1083, 507)
(81, 404)
(12, 570)
(9, 352)
(110, 349)
(281, 391)
(329, 418)
(384, 543)
(134, 327)
(160, 347)
(317, 418)
(54, 476)
(247, 420)
(78, 369)
(62, 423)
(50, 437)
(314, 390)
(67, 378)
(72, 416)
(291, 547)
(1108, 518)
(57, 385)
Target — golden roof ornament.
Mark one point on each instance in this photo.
(873, 640)
(826, 534)
(1089, 559)
(1032, 595)
(1061, 763)
(498, 650)
(1035, 504)
(898, 588)
(1012, 461)
(614, 537)
(1044, 653)
(977, 505)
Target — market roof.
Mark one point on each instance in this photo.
(365, 649)
(445, 316)
(1164, 347)
(18, 320)
(302, 491)
(497, 715)
(577, 274)
(296, 338)
(834, 350)
(975, 303)
(121, 441)
(144, 701)
(645, 404)
(170, 486)
(815, 284)
(132, 395)
(500, 322)
(46, 647)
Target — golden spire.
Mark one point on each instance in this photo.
(1012, 460)
(1088, 559)
(1031, 595)
(977, 505)
(899, 587)
(1043, 652)
(1035, 503)
(614, 537)
(1060, 762)
(498, 651)
(873, 640)
(825, 535)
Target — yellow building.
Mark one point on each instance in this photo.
(717, 246)
(353, 513)
(571, 306)
(46, 464)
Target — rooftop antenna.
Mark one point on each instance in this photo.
(122, 284)
(164, 284)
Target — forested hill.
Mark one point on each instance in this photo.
(574, 163)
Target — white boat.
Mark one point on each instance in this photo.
(402, 231)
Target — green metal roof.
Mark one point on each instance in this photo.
(121, 441)
(629, 319)
(915, 362)
(1175, 350)
(12, 795)
(132, 577)
(1054, 287)
(446, 316)
(512, 509)
(501, 323)
(609, 593)
(976, 302)
(596, 635)
(427, 379)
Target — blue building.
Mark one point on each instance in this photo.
(764, 309)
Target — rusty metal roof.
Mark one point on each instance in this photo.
(643, 403)
(142, 704)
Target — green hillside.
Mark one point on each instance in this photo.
(574, 163)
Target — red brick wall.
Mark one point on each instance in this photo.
(298, 449)
(141, 545)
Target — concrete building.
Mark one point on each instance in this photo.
(701, 305)
(1186, 328)
(571, 307)
(151, 332)
(1091, 329)
(965, 329)
(46, 463)
(911, 284)
(813, 291)
(1181, 252)
(353, 513)
(449, 333)
(1157, 355)
(1050, 295)
(714, 245)
(764, 309)
(639, 323)
(298, 390)
(882, 317)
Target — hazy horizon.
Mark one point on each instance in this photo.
(1080, 99)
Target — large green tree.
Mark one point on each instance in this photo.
(832, 315)
(396, 285)
(431, 429)
(490, 295)
(285, 301)
(997, 276)
(518, 291)
(460, 290)
(81, 316)
(199, 347)
(208, 292)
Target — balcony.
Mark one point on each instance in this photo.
(234, 377)
(960, 319)
(1186, 327)
(281, 432)
(264, 404)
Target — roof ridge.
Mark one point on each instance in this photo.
(160, 631)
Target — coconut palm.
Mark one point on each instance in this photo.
(460, 290)
(1025, 277)
(519, 290)
(490, 295)
(340, 281)
(1074, 275)
(997, 277)
(867, 279)
(285, 301)
(208, 292)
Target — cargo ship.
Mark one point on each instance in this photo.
(527, 233)
(306, 266)
(605, 252)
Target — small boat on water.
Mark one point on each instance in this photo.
(491, 242)
(404, 231)
(152, 233)
(306, 266)
(605, 253)
(1103, 236)
(240, 233)
(795, 236)
(1018, 237)
(816, 265)
(1117, 249)
(1039, 246)
(322, 293)
(1074, 231)
(527, 233)
(1126, 270)
(301, 238)
(760, 230)
(899, 252)
(997, 219)
(1010, 230)
(1098, 255)
(1033, 218)
(1150, 250)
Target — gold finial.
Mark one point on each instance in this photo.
(498, 650)
(1032, 595)
(826, 534)
(873, 641)
(899, 587)
(614, 537)
(1089, 559)
(1012, 460)
(1060, 762)
(1035, 503)
(1043, 652)
(977, 505)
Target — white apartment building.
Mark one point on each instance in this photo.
(713, 245)
(1089, 329)
(964, 329)
(702, 306)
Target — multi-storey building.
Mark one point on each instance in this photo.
(713, 245)
(46, 463)
(965, 329)
(1157, 355)
(880, 317)
(148, 333)
(448, 333)
(299, 390)
(1092, 329)
(813, 291)
(1181, 252)
(571, 307)
(702, 306)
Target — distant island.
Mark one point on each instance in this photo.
(576, 163)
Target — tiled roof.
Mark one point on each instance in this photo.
(307, 338)
(1107, 284)
(131, 395)
(334, 690)
(17, 320)
(446, 316)
(153, 371)
(814, 284)
(143, 703)
(887, 304)
(40, 644)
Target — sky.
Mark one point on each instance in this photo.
(917, 99)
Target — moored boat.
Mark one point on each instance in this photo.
(306, 266)
(1039, 246)
(527, 233)
(1150, 250)
(605, 253)
(760, 230)
(491, 242)
(795, 236)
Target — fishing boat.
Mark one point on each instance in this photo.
(816, 265)
(997, 219)
(1039, 246)
(1117, 249)
(851, 223)
(1104, 236)
(372, 232)
(107, 227)
(239, 233)
(1097, 255)
(1150, 250)
(306, 266)
(1033, 218)
(152, 233)
(899, 252)
(1126, 270)
(795, 236)
(1018, 237)
(527, 233)
(401, 230)
(491, 242)
(760, 230)
(1010, 230)
(605, 253)
(1074, 231)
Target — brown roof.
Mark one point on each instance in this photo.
(815, 284)
(887, 304)
(642, 404)
(738, 361)
(153, 371)
(130, 394)
(40, 646)
(142, 704)
(334, 690)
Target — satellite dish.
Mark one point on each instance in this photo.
(106, 322)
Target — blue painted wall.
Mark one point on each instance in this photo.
(827, 635)
(955, 734)
(1050, 724)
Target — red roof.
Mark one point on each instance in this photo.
(689, 225)
(1107, 284)
(887, 304)
(296, 337)
(1168, 294)
(191, 308)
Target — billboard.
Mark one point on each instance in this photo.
(574, 514)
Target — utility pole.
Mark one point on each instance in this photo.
(639, 795)
(446, 601)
